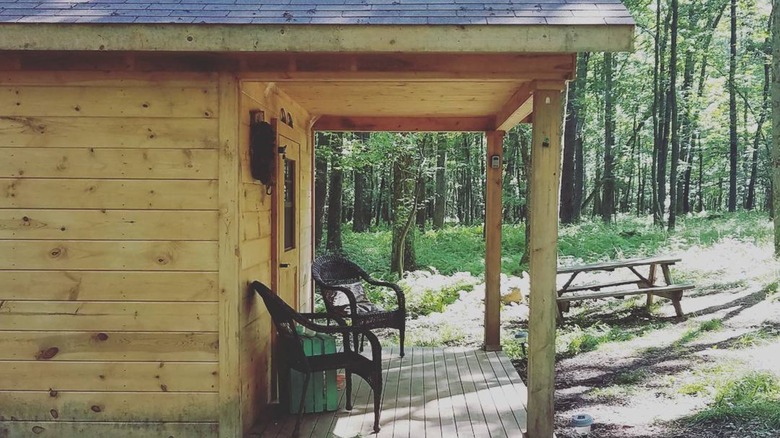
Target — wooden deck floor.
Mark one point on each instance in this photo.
(432, 392)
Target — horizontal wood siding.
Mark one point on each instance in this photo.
(109, 251)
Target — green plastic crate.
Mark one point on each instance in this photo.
(322, 394)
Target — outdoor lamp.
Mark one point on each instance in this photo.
(582, 423)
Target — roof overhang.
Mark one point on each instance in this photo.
(318, 38)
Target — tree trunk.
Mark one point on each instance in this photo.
(579, 156)
(608, 186)
(320, 186)
(776, 124)
(733, 153)
(675, 119)
(335, 195)
(567, 170)
(404, 206)
(751, 190)
(440, 195)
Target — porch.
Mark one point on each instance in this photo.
(431, 392)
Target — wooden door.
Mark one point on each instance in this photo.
(287, 211)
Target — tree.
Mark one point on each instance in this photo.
(440, 191)
(608, 185)
(320, 184)
(675, 117)
(776, 124)
(335, 194)
(733, 152)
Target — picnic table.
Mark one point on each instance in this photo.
(650, 283)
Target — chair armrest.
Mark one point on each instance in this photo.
(399, 294)
(345, 330)
(348, 293)
(326, 316)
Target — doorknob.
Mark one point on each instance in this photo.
(284, 265)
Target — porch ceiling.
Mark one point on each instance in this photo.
(438, 92)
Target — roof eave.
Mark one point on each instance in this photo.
(318, 38)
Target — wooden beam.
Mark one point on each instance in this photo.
(516, 109)
(543, 207)
(403, 124)
(493, 216)
(318, 38)
(230, 291)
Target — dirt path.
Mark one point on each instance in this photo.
(660, 370)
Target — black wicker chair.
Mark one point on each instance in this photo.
(340, 283)
(289, 343)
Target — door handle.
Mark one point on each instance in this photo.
(284, 265)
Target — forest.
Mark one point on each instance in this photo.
(680, 126)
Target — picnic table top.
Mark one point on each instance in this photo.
(611, 265)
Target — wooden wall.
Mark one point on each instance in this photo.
(109, 254)
(255, 231)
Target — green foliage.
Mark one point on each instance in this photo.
(754, 396)
(706, 326)
(427, 293)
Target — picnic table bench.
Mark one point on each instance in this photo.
(645, 283)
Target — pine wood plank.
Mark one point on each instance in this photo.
(123, 316)
(105, 255)
(444, 395)
(493, 218)
(403, 412)
(108, 286)
(63, 101)
(482, 391)
(108, 163)
(109, 194)
(543, 203)
(611, 265)
(390, 392)
(107, 132)
(231, 290)
(514, 396)
(97, 79)
(108, 406)
(62, 345)
(493, 392)
(479, 422)
(430, 405)
(655, 290)
(57, 429)
(109, 376)
(457, 391)
(108, 224)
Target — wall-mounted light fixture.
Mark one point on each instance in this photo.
(262, 150)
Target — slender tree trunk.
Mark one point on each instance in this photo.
(776, 124)
(320, 186)
(675, 118)
(579, 156)
(733, 152)
(335, 196)
(402, 256)
(656, 112)
(567, 171)
(608, 199)
(751, 190)
(440, 196)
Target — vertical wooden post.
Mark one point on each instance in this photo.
(493, 217)
(230, 291)
(543, 203)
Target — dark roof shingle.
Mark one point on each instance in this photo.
(346, 12)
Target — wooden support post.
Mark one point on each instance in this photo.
(545, 185)
(493, 217)
(230, 291)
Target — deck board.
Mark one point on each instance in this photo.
(432, 392)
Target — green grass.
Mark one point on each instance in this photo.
(461, 248)
(575, 339)
(704, 327)
(752, 397)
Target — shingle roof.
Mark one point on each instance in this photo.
(346, 12)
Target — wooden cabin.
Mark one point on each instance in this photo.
(130, 223)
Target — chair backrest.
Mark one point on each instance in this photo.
(332, 269)
(284, 316)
